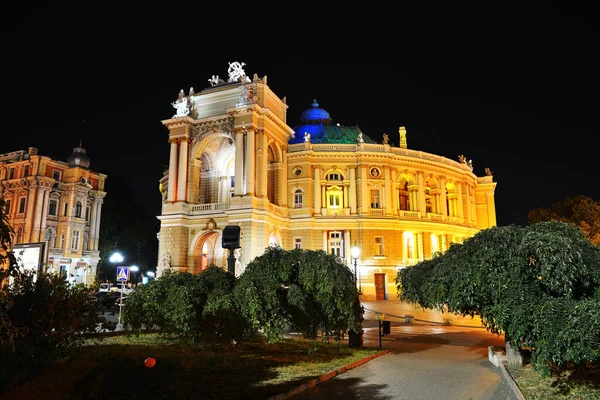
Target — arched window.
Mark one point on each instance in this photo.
(78, 208)
(298, 198)
(404, 199)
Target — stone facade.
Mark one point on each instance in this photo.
(234, 161)
(58, 203)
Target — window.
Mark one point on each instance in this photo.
(78, 210)
(233, 181)
(66, 209)
(375, 198)
(297, 243)
(12, 173)
(7, 207)
(334, 177)
(298, 171)
(334, 197)
(26, 171)
(87, 213)
(298, 198)
(53, 207)
(335, 243)
(22, 205)
(62, 241)
(379, 246)
(56, 175)
(75, 240)
(404, 200)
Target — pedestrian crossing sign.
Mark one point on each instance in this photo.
(122, 274)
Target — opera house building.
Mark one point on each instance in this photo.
(316, 184)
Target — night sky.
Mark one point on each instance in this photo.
(515, 90)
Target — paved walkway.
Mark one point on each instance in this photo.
(427, 361)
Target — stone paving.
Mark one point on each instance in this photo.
(426, 361)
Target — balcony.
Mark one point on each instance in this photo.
(334, 212)
(210, 208)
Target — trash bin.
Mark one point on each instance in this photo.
(355, 339)
(386, 327)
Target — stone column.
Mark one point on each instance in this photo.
(239, 163)
(45, 211)
(419, 245)
(31, 197)
(97, 233)
(325, 239)
(345, 195)
(223, 190)
(261, 167)
(347, 247)
(413, 198)
(422, 207)
(364, 194)
(182, 172)
(92, 231)
(316, 190)
(387, 191)
(37, 216)
(395, 206)
(444, 206)
(283, 180)
(352, 199)
(459, 202)
(172, 172)
(250, 170)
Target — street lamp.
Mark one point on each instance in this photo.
(355, 252)
(116, 257)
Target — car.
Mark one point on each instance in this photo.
(107, 299)
(127, 288)
(105, 287)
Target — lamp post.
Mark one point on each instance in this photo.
(355, 252)
(116, 257)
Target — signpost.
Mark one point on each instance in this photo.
(123, 277)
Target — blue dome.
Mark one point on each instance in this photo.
(318, 123)
(315, 115)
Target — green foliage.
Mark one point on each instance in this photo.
(311, 292)
(580, 211)
(538, 285)
(51, 315)
(126, 228)
(186, 305)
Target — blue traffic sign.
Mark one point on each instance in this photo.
(122, 274)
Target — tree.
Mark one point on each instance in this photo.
(538, 285)
(309, 291)
(126, 228)
(41, 315)
(581, 211)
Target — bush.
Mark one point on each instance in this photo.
(186, 305)
(51, 315)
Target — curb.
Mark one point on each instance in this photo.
(511, 382)
(327, 376)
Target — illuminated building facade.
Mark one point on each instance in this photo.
(58, 203)
(320, 185)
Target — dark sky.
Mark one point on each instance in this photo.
(515, 90)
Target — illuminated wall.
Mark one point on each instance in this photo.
(235, 161)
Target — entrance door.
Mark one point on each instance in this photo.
(379, 286)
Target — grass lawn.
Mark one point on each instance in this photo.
(114, 369)
(567, 384)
